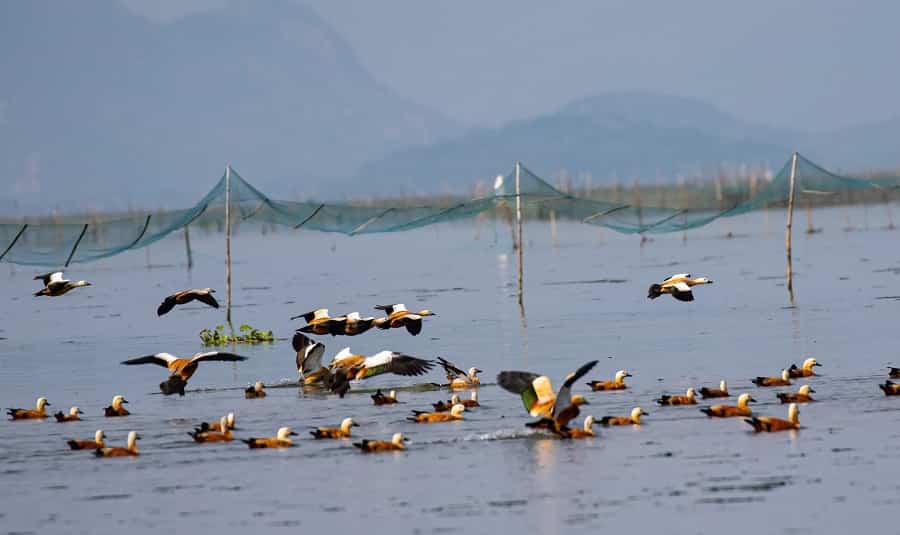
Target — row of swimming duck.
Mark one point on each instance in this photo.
(40, 411)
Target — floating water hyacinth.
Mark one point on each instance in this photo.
(248, 335)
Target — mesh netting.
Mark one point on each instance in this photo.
(59, 242)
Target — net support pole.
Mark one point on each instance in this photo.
(187, 248)
(790, 222)
(519, 224)
(228, 246)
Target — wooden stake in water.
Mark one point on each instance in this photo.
(519, 223)
(790, 222)
(228, 247)
(187, 247)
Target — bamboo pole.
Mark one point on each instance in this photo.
(790, 222)
(187, 247)
(228, 247)
(519, 224)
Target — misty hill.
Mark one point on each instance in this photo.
(102, 106)
(618, 134)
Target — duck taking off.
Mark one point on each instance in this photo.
(55, 285)
(555, 410)
(678, 286)
(38, 413)
(204, 295)
(309, 359)
(181, 368)
(398, 316)
(456, 378)
(346, 367)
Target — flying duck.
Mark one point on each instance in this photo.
(690, 398)
(346, 367)
(890, 388)
(335, 432)
(893, 373)
(633, 419)
(616, 384)
(317, 321)
(536, 391)
(378, 398)
(678, 286)
(204, 295)
(309, 359)
(180, 367)
(71, 417)
(37, 413)
(423, 417)
(374, 446)
(804, 371)
(351, 324)
(769, 424)
(281, 440)
(800, 396)
(730, 411)
(721, 392)
(456, 378)
(130, 450)
(204, 433)
(116, 408)
(55, 285)
(585, 432)
(77, 444)
(257, 390)
(398, 316)
(784, 380)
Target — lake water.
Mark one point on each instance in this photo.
(585, 298)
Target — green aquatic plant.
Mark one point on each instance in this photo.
(247, 335)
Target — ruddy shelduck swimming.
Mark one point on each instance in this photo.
(890, 388)
(678, 286)
(784, 380)
(98, 442)
(618, 383)
(116, 408)
(721, 392)
(422, 417)
(690, 398)
(456, 378)
(633, 419)
(204, 295)
(130, 450)
(398, 316)
(217, 426)
(893, 373)
(770, 425)
(38, 413)
(335, 432)
(556, 410)
(55, 285)
(181, 368)
(204, 434)
(800, 396)
(281, 440)
(257, 390)
(375, 446)
(585, 432)
(730, 411)
(806, 370)
(378, 398)
(73, 415)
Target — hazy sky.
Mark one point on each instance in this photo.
(810, 64)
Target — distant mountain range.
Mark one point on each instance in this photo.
(101, 108)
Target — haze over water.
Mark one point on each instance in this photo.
(585, 298)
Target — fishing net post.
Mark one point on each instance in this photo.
(228, 247)
(790, 222)
(519, 224)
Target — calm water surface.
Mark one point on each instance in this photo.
(584, 299)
